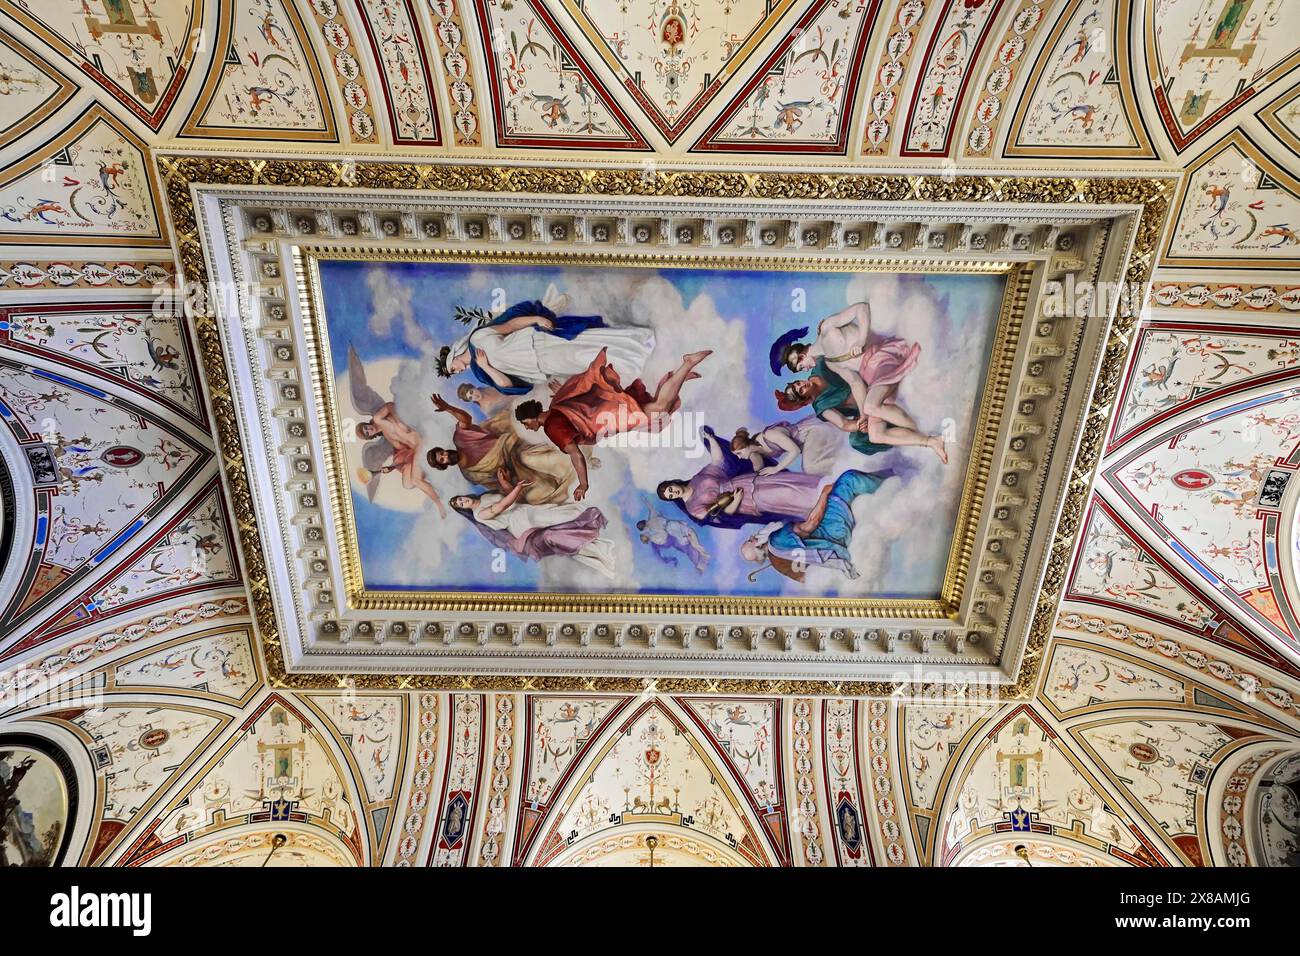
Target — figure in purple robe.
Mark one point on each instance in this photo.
(728, 493)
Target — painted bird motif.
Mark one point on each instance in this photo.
(208, 543)
(738, 715)
(583, 90)
(1286, 236)
(269, 27)
(1220, 195)
(41, 210)
(1081, 44)
(108, 176)
(1084, 114)
(553, 109)
(790, 115)
(1158, 374)
(260, 96)
(163, 355)
(1107, 562)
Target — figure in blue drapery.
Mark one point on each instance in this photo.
(823, 538)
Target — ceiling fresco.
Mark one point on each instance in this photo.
(1155, 716)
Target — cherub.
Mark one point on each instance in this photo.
(665, 535)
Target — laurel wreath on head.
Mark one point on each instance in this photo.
(475, 317)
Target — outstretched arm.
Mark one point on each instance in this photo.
(790, 451)
(804, 528)
(833, 416)
(461, 416)
(857, 315)
(492, 511)
(711, 443)
(522, 322)
(579, 466)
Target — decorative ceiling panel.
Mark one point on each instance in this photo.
(1211, 489)
(802, 97)
(98, 468)
(265, 81)
(458, 70)
(1079, 676)
(946, 70)
(1079, 97)
(397, 43)
(1116, 570)
(275, 744)
(543, 94)
(1005, 781)
(349, 73)
(673, 56)
(31, 88)
(1237, 209)
(1207, 59)
(1177, 366)
(1016, 42)
(139, 53)
(906, 21)
(191, 553)
(137, 345)
(91, 181)
(665, 775)
(355, 614)
(221, 661)
(1282, 117)
(1163, 764)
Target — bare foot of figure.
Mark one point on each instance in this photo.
(692, 359)
(935, 444)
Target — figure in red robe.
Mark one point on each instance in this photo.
(594, 404)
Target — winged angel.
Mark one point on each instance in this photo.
(391, 444)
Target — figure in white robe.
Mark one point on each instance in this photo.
(533, 532)
(810, 441)
(530, 344)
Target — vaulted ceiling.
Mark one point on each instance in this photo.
(1170, 688)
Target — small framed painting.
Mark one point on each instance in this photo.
(38, 801)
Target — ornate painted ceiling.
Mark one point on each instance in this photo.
(1162, 725)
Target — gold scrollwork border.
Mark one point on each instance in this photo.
(1005, 343)
(182, 172)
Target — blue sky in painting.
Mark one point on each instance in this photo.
(403, 311)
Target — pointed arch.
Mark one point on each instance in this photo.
(652, 770)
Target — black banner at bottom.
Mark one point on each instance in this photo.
(141, 908)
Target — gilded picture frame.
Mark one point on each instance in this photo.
(992, 402)
(1146, 200)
